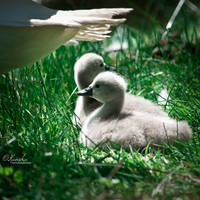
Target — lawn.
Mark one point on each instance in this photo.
(40, 153)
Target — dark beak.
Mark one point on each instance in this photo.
(85, 92)
(109, 68)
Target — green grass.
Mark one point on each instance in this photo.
(36, 112)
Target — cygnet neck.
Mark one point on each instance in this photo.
(112, 108)
(88, 102)
(83, 81)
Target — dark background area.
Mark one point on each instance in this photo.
(146, 13)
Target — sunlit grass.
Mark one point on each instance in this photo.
(36, 127)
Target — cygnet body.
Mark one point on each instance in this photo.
(111, 122)
(85, 70)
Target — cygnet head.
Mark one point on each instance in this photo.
(87, 67)
(106, 87)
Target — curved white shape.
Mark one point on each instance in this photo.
(29, 31)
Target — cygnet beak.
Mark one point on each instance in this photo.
(109, 68)
(85, 92)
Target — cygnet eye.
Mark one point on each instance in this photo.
(101, 65)
(97, 86)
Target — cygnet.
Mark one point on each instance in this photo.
(111, 122)
(85, 70)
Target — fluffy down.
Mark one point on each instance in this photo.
(86, 69)
(112, 123)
